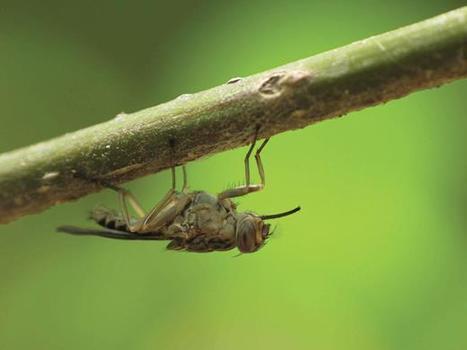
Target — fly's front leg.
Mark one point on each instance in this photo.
(248, 188)
(259, 163)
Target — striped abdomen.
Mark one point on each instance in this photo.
(109, 219)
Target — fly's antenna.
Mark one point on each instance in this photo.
(280, 215)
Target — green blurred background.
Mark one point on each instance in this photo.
(377, 258)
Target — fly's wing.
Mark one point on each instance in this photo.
(108, 233)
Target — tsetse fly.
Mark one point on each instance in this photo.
(194, 221)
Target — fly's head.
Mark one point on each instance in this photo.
(252, 231)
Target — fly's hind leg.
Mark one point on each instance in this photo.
(126, 196)
(169, 197)
(248, 187)
(123, 196)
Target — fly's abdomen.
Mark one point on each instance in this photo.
(109, 219)
(201, 244)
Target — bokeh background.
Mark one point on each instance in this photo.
(377, 258)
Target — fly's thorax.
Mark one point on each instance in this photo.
(202, 197)
(209, 216)
(177, 229)
(251, 232)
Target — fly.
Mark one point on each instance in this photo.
(194, 221)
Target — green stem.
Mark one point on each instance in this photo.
(365, 73)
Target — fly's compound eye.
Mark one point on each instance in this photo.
(265, 231)
(251, 233)
(246, 242)
(246, 236)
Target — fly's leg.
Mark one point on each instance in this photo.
(123, 196)
(248, 188)
(155, 213)
(259, 163)
(126, 196)
(169, 197)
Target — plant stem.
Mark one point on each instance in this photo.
(331, 84)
